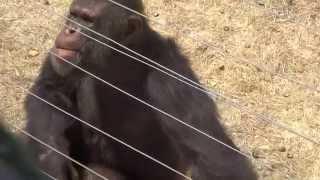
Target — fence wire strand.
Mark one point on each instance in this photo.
(59, 152)
(192, 83)
(151, 106)
(170, 73)
(197, 38)
(107, 134)
(184, 79)
(48, 175)
(199, 87)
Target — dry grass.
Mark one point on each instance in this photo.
(281, 35)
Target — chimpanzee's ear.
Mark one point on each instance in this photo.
(134, 25)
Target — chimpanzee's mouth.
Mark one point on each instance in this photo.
(66, 54)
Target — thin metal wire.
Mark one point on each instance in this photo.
(108, 135)
(47, 174)
(59, 152)
(151, 106)
(41, 171)
(214, 94)
(190, 82)
(195, 85)
(307, 86)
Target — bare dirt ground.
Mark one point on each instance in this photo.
(222, 38)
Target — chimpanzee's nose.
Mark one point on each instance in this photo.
(71, 30)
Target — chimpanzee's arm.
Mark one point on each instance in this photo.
(210, 159)
(49, 124)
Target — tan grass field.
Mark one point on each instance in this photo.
(263, 54)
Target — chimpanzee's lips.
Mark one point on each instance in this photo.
(66, 54)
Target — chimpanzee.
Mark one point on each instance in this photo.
(121, 116)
